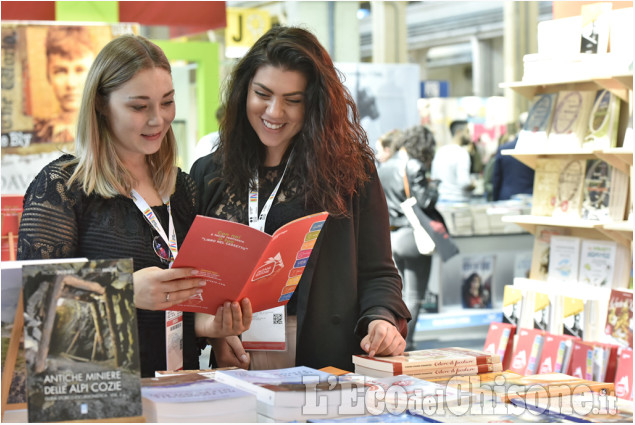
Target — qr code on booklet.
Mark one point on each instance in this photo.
(277, 319)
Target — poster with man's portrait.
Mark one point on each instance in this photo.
(44, 68)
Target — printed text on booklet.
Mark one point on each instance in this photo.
(238, 261)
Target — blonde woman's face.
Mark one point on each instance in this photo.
(275, 108)
(141, 111)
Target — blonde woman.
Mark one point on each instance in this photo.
(91, 204)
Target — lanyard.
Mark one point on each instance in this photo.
(154, 221)
(261, 329)
(255, 221)
(173, 319)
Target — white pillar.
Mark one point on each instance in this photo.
(390, 44)
(334, 23)
(520, 20)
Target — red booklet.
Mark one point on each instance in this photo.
(500, 340)
(555, 352)
(238, 261)
(582, 360)
(624, 375)
(527, 353)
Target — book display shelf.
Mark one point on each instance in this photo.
(619, 157)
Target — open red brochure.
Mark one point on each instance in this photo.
(238, 261)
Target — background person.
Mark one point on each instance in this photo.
(83, 205)
(413, 157)
(209, 142)
(387, 145)
(70, 50)
(510, 176)
(451, 165)
(290, 120)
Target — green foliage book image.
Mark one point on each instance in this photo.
(81, 345)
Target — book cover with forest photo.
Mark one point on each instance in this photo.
(81, 345)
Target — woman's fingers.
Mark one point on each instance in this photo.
(247, 312)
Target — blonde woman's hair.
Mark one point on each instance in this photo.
(99, 169)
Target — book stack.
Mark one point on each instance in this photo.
(195, 398)
(431, 363)
(594, 361)
(556, 353)
(293, 394)
(395, 393)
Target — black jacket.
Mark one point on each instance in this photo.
(351, 281)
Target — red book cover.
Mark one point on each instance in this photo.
(527, 352)
(624, 375)
(500, 340)
(581, 365)
(554, 352)
(238, 261)
(619, 321)
(613, 356)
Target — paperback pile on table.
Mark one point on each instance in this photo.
(193, 397)
(292, 394)
(431, 363)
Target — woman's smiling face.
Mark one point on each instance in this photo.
(275, 108)
(141, 111)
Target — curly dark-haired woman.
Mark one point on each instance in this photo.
(291, 134)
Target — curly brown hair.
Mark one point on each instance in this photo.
(332, 158)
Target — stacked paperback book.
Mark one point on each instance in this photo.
(194, 398)
(292, 394)
(431, 363)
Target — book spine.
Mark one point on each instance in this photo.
(457, 371)
(502, 345)
(450, 363)
(562, 347)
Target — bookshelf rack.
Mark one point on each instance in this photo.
(621, 232)
(618, 84)
(621, 84)
(620, 158)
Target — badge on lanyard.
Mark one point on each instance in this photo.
(267, 330)
(173, 319)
